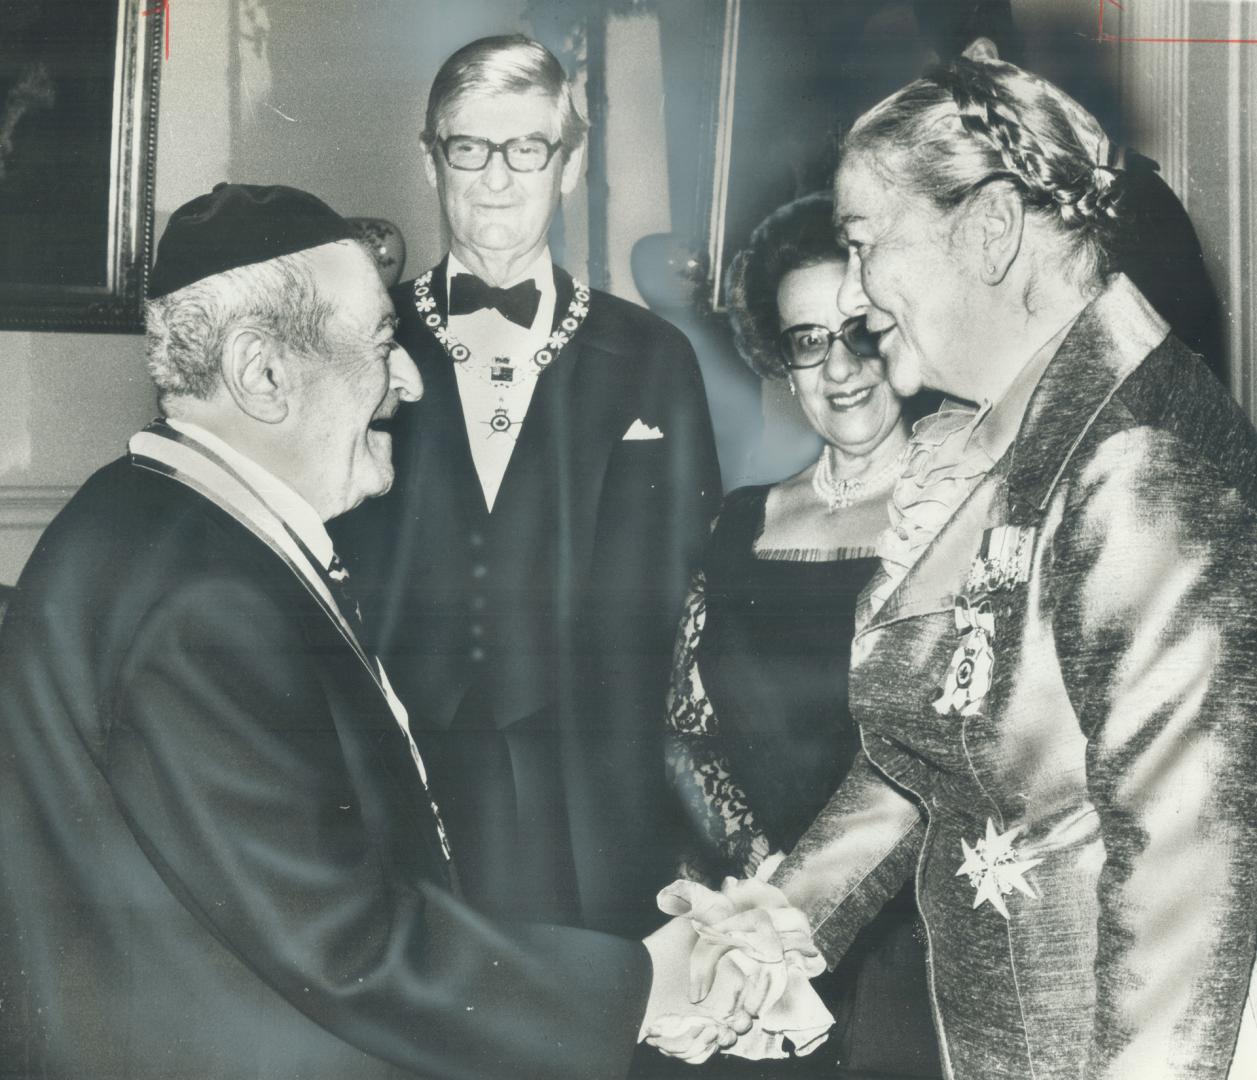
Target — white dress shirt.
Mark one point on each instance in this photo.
(489, 334)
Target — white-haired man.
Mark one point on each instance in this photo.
(554, 487)
(220, 856)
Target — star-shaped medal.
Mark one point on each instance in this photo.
(994, 869)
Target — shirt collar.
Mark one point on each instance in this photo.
(285, 503)
(541, 272)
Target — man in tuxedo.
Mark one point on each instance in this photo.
(221, 858)
(554, 486)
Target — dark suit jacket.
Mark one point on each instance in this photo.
(217, 859)
(559, 608)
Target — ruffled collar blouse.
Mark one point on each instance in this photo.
(950, 451)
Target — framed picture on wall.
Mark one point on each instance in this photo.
(78, 104)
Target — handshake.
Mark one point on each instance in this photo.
(731, 974)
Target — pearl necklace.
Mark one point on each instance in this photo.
(838, 493)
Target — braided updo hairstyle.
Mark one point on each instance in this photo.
(969, 122)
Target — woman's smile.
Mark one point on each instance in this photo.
(844, 401)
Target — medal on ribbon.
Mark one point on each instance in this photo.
(968, 675)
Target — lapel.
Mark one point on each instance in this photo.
(161, 449)
(545, 522)
(440, 425)
(1109, 340)
(373, 745)
(539, 539)
(939, 575)
(378, 758)
(578, 415)
(443, 425)
(552, 429)
(564, 439)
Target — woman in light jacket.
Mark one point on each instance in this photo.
(1055, 667)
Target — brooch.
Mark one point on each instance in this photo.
(1003, 560)
(968, 675)
(994, 868)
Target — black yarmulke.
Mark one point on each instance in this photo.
(239, 224)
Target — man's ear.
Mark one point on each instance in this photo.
(429, 165)
(257, 374)
(997, 219)
(571, 169)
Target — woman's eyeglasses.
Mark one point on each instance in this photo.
(807, 345)
(529, 153)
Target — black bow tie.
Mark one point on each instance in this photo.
(518, 303)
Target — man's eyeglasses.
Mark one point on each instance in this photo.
(528, 153)
(807, 345)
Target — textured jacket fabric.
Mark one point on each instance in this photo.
(532, 645)
(1112, 757)
(216, 859)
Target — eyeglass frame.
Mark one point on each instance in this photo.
(552, 148)
(853, 334)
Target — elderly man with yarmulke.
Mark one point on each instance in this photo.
(219, 854)
(554, 487)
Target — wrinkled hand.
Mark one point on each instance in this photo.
(750, 926)
(670, 1022)
(693, 1038)
(751, 956)
(764, 945)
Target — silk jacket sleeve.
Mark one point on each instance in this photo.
(853, 858)
(1151, 587)
(242, 793)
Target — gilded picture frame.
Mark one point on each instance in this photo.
(78, 123)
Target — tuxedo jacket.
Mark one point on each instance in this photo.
(217, 860)
(561, 603)
(1083, 827)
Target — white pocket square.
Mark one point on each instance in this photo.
(639, 430)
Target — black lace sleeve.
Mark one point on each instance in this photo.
(731, 843)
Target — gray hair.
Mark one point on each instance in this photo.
(510, 64)
(967, 123)
(187, 328)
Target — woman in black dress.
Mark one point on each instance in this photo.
(759, 734)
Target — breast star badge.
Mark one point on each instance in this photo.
(994, 868)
